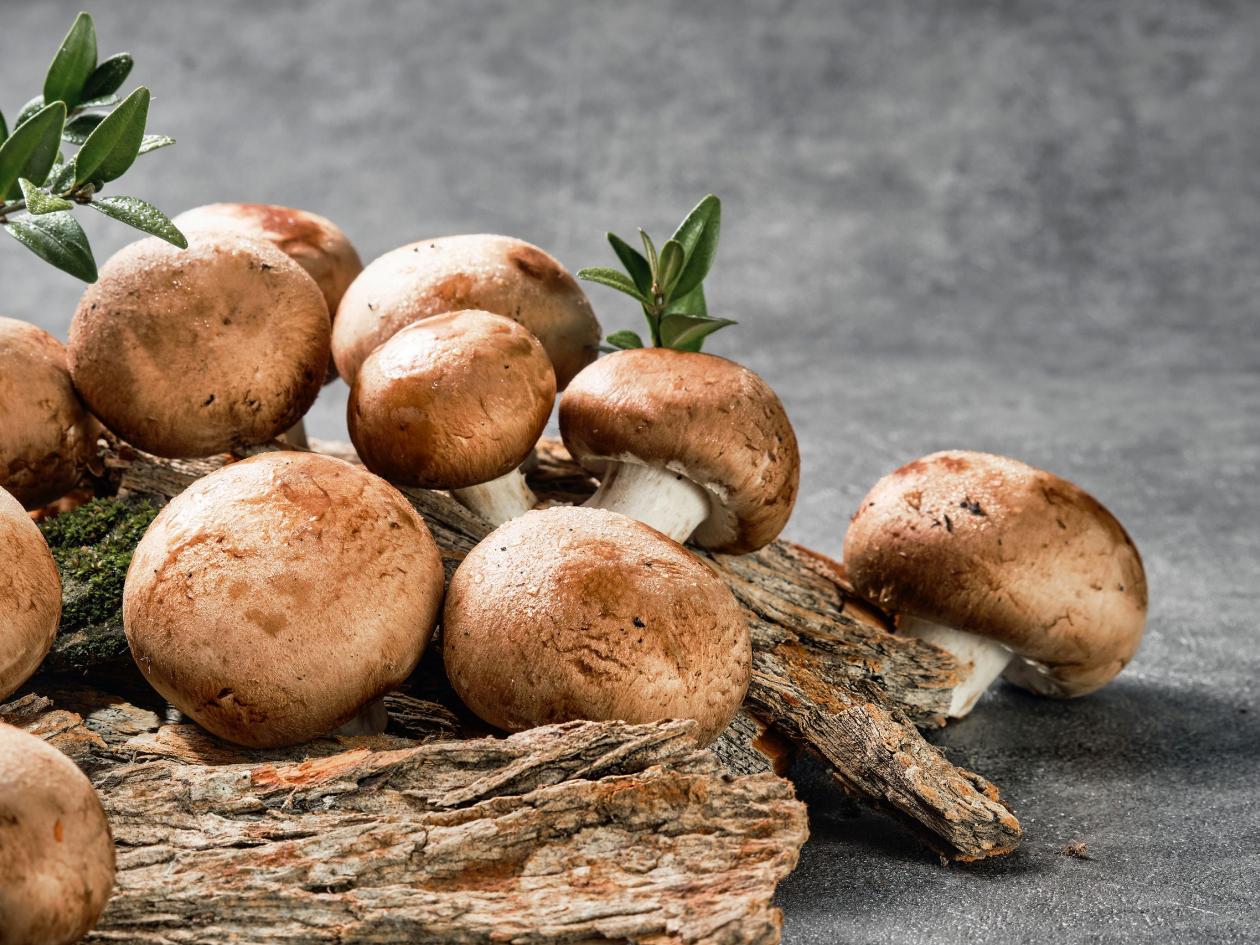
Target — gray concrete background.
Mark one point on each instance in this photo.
(1032, 228)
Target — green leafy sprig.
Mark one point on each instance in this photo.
(40, 187)
(668, 283)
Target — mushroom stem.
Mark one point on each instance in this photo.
(295, 436)
(980, 660)
(499, 500)
(371, 720)
(668, 501)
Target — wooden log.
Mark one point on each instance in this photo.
(590, 831)
(829, 677)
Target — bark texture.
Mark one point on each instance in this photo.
(585, 832)
(828, 676)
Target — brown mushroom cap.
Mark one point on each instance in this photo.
(198, 351)
(452, 401)
(275, 597)
(56, 852)
(493, 273)
(47, 437)
(30, 596)
(577, 613)
(710, 419)
(993, 547)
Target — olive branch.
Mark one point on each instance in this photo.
(41, 186)
(668, 284)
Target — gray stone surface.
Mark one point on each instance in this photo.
(1025, 227)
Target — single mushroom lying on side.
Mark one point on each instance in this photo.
(492, 273)
(1010, 568)
(187, 353)
(574, 613)
(30, 596)
(694, 445)
(56, 852)
(47, 437)
(279, 597)
(455, 402)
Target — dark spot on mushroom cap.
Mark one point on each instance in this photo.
(454, 291)
(292, 228)
(538, 265)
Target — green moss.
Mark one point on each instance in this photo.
(92, 546)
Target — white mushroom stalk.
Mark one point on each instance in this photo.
(666, 500)
(372, 719)
(980, 660)
(499, 500)
(296, 437)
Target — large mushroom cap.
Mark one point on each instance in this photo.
(197, 351)
(451, 401)
(274, 598)
(577, 613)
(47, 437)
(704, 417)
(56, 853)
(493, 273)
(30, 596)
(993, 547)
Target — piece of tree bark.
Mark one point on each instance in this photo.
(585, 832)
(830, 677)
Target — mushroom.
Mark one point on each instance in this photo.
(57, 862)
(573, 613)
(30, 596)
(47, 437)
(692, 444)
(493, 273)
(193, 352)
(1009, 568)
(455, 402)
(277, 597)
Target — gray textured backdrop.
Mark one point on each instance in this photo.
(1032, 228)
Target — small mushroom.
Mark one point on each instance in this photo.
(1009, 568)
(30, 596)
(313, 242)
(574, 613)
(492, 273)
(694, 445)
(276, 598)
(56, 852)
(47, 437)
(455, 402)
(192, 352)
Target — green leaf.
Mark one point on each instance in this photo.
(109, 76)
(613, 279)
(153, 142)
(670, 266)
(73, 64)
(61, 178)
(105, 101)
(698, 234)
(142, 215)
(79, 127)
(39, 201)
(690, 304)
(634, 262)
(28, 110)
(56, 238)
(32, 148)
(113, 146)
(650, 249)
(4, 129)
(687, 332)
(625, 339)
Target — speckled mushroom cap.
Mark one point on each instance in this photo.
(57, 862)
(314, 242)
(994, 547)
(493, 273)
(198, 351)
(578, 613)
(710, 419)
(452, 401)
(30, 596)
(274, 598)
(47, 437)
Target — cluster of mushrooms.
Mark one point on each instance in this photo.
(280, 597)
